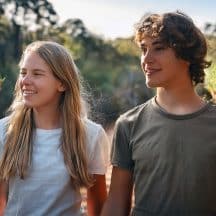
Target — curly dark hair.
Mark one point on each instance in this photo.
(177, 30)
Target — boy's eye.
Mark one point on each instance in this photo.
(160, 47)
(144, 49)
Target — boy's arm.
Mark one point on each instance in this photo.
(120, 193)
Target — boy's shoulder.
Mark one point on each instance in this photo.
(134, 113)
(212, 108)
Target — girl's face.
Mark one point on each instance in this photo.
(39, 87)
(161, 66)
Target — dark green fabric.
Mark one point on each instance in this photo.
(172, 157)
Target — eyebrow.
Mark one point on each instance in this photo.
(34, 70)
(156, 42)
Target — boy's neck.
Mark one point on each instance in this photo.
(180, 102)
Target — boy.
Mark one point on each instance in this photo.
(166, 147)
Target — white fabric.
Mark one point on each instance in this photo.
(47, 188)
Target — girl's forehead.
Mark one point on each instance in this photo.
(32, 60)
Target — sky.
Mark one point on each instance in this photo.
(115, 18)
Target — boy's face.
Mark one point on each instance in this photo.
(160, 65)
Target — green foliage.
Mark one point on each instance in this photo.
(9, 72)
(5, 40)
(25, 15)
(211, 39)
(110, 69)
(210, 28)
(127, 47)
(2, 79)
(28, 12)
(210, 79)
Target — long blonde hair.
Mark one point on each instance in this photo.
(19, 137)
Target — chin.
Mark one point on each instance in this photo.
(28, 105)
(151, 85)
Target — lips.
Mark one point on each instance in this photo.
(150, 71)
(28, 92)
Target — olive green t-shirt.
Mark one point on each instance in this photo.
(172, 157)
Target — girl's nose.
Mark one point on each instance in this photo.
(26, 79)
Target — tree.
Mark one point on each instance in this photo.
(8, 74)
(29, 13)
(1, 82)
(210, 80)
(210, 28)
(5, 43)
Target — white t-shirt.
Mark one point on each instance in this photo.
(47, 190)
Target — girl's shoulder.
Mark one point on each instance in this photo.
(95, 133)
(92, 127)
(3, 125)
(97, 147)
(4, 121)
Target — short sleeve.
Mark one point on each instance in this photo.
(2, 134)
(98, 152)
(121, 154)
(1, 146)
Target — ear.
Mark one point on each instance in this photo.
(61, 87)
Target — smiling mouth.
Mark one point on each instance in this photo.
(151, 71)
(28, 92)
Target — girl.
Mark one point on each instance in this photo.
(48, 148)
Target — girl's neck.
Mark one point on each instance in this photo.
(47, 120)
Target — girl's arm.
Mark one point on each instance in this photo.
(96, 195)
(3, 197)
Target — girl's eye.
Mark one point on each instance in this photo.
(22, 73)
(37, 73)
